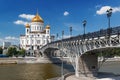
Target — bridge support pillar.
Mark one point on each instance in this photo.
(86, 65)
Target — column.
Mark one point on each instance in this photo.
(86, 65)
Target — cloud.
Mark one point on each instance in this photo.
(66, 13)
(103, 10)
(1, 40)
(20, 22)
(116, 9)
(12, 39)
(26, 16)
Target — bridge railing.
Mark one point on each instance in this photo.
(100, 33)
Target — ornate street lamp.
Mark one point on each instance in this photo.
(109, 13)
(84, 25)
(57, 36)
(70, 31)
(62, 34)
(62, 77)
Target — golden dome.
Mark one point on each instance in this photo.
(27, 26)
(47, 27)
(37, 18)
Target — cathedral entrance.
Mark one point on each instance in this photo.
(38, 47)
(32, 47)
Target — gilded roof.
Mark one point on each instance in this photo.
(27, 26)
(48, 27)
(37, 18)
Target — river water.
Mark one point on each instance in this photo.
(44, 71)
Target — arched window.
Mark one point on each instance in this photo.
(27, 41)
(32, 47)
(37, 28)
(22, 41)
(38, 47)
(38, 41)
(27, 30)
(32, 41)
(47, 31)
(40, 27)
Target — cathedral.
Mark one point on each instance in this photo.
(36, 35)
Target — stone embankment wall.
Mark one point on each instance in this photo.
(32, 60)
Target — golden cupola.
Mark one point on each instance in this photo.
(27, 25)
(37, 18)
(48, 27)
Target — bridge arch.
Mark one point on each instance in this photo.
(76, 47)
(51, 52)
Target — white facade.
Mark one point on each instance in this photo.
(36, 35)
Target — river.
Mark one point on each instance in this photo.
(44, 71)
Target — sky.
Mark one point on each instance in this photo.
(59, 14)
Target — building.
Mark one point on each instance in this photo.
(52, 38)
(36, 35)
(6, 45)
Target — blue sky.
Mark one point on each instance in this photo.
(60, 14)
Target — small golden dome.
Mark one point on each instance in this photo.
(37, 18)
(47, 27)
(27, 25)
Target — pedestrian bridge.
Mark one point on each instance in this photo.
(76, 47)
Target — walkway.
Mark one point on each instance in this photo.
(100, 77)
(72, 77)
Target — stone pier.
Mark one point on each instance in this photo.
(86, 65)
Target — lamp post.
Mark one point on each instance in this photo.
(109, 13)
(57, 36)
(62, 34)
(84, 25)
(70, 31)
(62, 77)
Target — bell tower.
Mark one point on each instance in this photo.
(47, 29)
(27, 29)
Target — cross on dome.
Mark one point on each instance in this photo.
(37, 18)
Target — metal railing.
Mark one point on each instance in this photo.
(100, 33)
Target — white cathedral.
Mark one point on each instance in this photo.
(36, 35)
